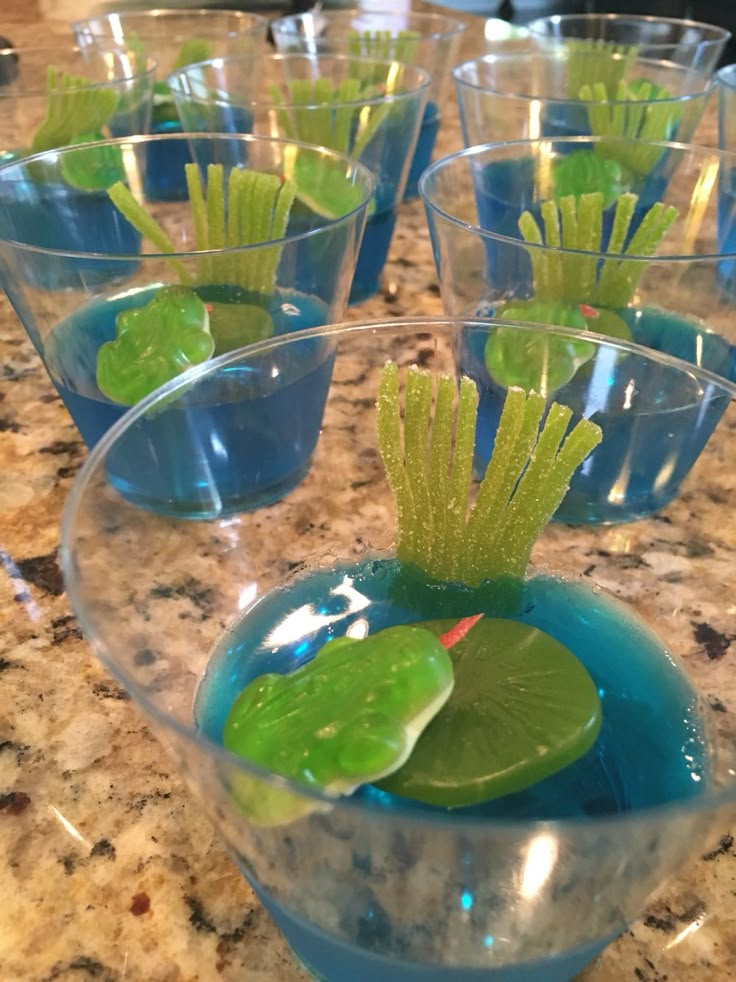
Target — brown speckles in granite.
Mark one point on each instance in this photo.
(714, 643)
(140, 904)
(723, 848)
(14, 802)
(43, 572)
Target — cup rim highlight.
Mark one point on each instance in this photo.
(712, 33)
(423, 81)
(526, 57)
(488, 148)
(409, 326)
(258, 25)
(447, 26)
(117, 82)
(355, 167)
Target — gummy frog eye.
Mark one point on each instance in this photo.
(153, 344)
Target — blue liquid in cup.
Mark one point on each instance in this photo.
(651, 750)
(379, 230)
(57, 216)
(165, 179)
(645, 456)
(233, 443)
(423, 153)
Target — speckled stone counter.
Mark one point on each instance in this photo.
(108, 871)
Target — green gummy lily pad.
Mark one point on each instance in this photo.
(347, 717)
(322, 185)
(523, 707)
(234, 325)
(92, 168)
(608, 322)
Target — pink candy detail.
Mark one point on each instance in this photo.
(587, 311)
(458, 631)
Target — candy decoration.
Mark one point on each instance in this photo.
(153, 344)
(348, 717)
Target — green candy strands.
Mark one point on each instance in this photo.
(380, 45)
(576, 223)
(430, 475)
(324, 114)
(257, 210)
(637, 111)
(75, 107)
(591, 60)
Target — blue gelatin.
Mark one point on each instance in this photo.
(727, 229)
(423, 153)
(165, 179)
(645, 456)
(651, 749)
(505, 189)
(57, 216)
(226, 447)
(379, 229)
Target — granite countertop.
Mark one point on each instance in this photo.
(108, 870)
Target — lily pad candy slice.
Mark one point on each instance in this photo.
(523, 707)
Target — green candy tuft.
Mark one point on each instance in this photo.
(348, 717)
(154, 344)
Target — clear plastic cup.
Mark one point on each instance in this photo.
(537, 94)
(684, 42)
(81, 292)
(679, 301)
(174, 37)
(370, 110)
(104, 96)
(528, 888)
(430, 40)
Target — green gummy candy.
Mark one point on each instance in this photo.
(537, 361)
(92, 168)
(586, 172)
(653, 91)
(322, 185)
(608, 322)
(154, 344)
(349, 716)
(233, 325)
(523, 707)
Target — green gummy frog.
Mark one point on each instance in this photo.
(348, 717)
(538, 361)
(154, 344)
(586, 172)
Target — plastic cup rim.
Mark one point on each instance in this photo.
(482, 149)
(351, 166)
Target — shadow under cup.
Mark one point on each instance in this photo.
(524, 888)
(681, 302)
(256, 442)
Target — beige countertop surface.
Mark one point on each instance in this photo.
(108, 870)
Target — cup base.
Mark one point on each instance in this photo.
(328, 959)
(206, 510)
